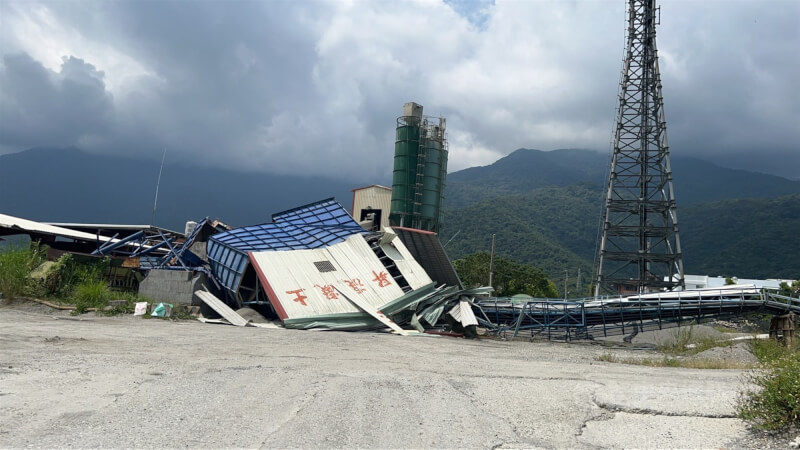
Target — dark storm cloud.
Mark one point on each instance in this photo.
(315, 87)
(48, 108)
(727, 84)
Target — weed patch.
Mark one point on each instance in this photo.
(91, 294)
(686, 342)
(667, 361)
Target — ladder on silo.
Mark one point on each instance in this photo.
(420, 175)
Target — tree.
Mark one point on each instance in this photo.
(510, 278)
(790, 291)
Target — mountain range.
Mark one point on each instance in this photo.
(545, 209)
(543, 206)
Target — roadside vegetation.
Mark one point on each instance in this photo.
(667, 361)
(25, 272)
(772, 399)
(678, 350)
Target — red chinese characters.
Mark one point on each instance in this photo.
(381, 278)
(328, 291)
(356, 285)
(300, 298)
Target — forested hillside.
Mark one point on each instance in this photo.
(556, 229)
(545, 210)
(749, 238)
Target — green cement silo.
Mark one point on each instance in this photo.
(420, 168)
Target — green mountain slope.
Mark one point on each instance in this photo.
(556, 229)
(748, 238)
(553, 228)
(525, 170)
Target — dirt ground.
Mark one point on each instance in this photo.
(92, 381)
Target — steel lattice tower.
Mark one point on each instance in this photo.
(640, 250)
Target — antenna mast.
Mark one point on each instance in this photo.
(155, 202)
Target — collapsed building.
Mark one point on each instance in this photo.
(317, 265)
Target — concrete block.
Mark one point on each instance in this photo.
(169, 286)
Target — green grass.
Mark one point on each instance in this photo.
(91, 294)
(667, 361)
(16, 263)
(769, 350)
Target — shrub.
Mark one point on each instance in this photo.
(16, 264)
(775, 403)
(67, 274)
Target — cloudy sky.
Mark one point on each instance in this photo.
(315, 87)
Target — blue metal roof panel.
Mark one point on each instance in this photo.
(326, 212)
(311, 226)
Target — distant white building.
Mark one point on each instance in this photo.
(705, 281)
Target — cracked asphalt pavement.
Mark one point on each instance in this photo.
(132, 382)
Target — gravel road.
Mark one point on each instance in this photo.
(93, 381)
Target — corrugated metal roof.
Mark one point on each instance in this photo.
(310, 226)
(429, 252)
(25, 225)
(307, 227)
(298, 288)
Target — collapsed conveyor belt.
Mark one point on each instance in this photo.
(596, 317)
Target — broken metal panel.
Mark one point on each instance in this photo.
(428, 251)
(297, 287)
(17, 225)
(414, 273)
(282, 236)
(462, 312)
(220, 307)
(376, 313)
(341, 321)
(110, 228)
(228, 265)
(326, 212)
(361, 320)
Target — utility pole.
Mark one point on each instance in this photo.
(578, 286)
(491, 262)
(566, 277)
